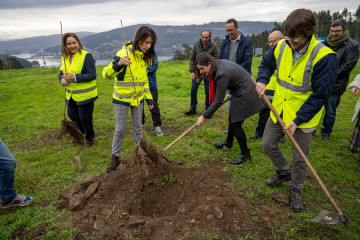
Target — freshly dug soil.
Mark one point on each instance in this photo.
(165, 200)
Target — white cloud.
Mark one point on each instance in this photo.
(24, 18)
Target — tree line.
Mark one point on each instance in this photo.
(324, 20)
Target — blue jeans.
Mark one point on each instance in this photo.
(7, 173)
(194, 90)
(330, 113)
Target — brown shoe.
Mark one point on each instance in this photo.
(115, 161)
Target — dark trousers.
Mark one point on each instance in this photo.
(82, 115)
(194, 90)
(330, 113)
(155, 112)
(235, 130)
(263, 117)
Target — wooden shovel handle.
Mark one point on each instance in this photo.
(296, 145)
(186, 132)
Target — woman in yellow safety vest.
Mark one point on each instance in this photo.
(78, 74)
(131, 86)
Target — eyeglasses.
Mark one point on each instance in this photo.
(230, 30)
(336, 31)
(272, 41)
(293, 39)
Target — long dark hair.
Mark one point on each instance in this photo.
(64, 50)
(141, 34)
(203, 60)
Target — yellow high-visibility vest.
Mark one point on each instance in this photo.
(293, 85)
(82, 91)
(123, 82)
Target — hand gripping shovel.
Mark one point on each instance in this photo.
(324, 216)
(186, 132)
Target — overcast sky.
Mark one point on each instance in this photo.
(28, 18)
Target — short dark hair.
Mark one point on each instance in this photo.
(340, 22)
(301, 21)
(64, 50)
(141, 35)
(206, 30)
(232, 20)
(203, 60)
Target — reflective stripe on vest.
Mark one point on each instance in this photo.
(81, 91)
(121, 96)
(306, 87)
(128, 84)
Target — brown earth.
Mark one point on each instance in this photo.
(163, 199)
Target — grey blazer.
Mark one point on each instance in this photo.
(355, 83)
(245, 101)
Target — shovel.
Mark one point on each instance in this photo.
(324, 216)
(186, 132)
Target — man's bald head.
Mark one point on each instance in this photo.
(274, 37)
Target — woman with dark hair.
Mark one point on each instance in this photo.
(225, 75)
(131, 86)
(78, 74)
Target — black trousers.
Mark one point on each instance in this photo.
(155, 112)
(82, 115)
(235, 130)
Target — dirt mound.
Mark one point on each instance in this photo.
(165, 200)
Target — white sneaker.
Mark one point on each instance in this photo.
(158, 131)
(18, 201)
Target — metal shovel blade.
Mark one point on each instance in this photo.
(326, 217)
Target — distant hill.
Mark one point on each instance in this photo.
(34, 44)
(170, 38)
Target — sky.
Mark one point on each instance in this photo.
(29, 18)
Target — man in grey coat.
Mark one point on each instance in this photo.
(347, 50)
(203, 45)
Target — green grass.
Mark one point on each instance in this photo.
(31, 107)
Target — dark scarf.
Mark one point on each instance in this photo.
(338, 41)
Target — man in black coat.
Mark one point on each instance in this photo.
(347, 50)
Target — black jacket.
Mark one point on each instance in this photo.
(348, 55)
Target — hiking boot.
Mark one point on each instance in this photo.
(256, 136)
(295, 200)
(241, 159)
(115, 161)
(18, 201)
(158, 131)
(325, 136)
(191, 112)
(281, 176)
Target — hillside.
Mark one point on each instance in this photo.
(170, 38)
(33, 44)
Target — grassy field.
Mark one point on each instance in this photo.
(31, 107)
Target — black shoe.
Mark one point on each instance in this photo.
(87, 144)
(325, 136)
(241, 159)
(256, 136)
(282, 139)
(295, 200)
(191, 112)
(281, 176)
(220, 145)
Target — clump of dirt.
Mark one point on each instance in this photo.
(70, 127)
(166, 200)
